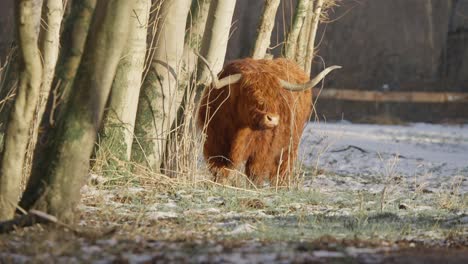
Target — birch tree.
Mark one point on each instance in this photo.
(160, 96)
(180, 149)
(298, 22)
(117, 132)
(179, 157)
(267, 22)
(316, 14)
(21, 116)
(75, 32)
(303, 38)
(215, 40)
(11, 78)
(195, 28)
(49, 42)
(300, 44)
(54, 186)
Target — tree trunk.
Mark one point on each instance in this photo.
(181, 148)
(179, 157)
(61, 177)
(160, 96)
(303, 39)
(74, 39)
(119, 122)
(10, 83)
(195, 28)
(267, 22)
(16, 137)
(49, 41)
(36, 16)
(312, 33)
(215, 39)
(298, 23)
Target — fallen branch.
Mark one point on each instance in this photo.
(37, 217)
(349, 147)
(20, 222)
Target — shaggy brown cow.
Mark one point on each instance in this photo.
(254, 115)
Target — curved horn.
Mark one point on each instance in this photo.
(301, 87)
(218, 84)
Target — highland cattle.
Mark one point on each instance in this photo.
(255, 114)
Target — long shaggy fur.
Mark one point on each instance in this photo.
(232, 118)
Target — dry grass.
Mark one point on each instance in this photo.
(129, 204)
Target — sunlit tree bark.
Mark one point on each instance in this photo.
(303, 38)
(160, 96)
(317, 11)
(49, 43)
(195, 28)
(55, 185)
(298, 22)
(117, 133)
(215, 39)
(267, 22)
(21, 116)
(179, 157)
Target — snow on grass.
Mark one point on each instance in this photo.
(434, 155)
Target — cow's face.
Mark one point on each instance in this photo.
(260, 109)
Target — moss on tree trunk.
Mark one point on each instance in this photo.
(21, 116)
(116, 136)
(160, 96)
(60, 178)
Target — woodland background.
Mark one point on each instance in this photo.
(358, 187)
(410, 45)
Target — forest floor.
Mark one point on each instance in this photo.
(365, 194)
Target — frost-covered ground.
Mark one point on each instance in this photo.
(366, 194)
(366, 156)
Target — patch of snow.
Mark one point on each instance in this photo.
(328, 254)
(243, 229)
(372, 154)
(137, 258)
(155, 215)
(90, 250)
(216, 200)
(354, 252)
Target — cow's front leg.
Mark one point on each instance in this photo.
(220, 168)
(241, 147)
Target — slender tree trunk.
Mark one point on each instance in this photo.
(119, 121)
(179, 157)
(195, 28)
(214, 44)
(49, 40)
(312, 33)
(160, 96)
(36, 16)
(215, 39)
(303, 39)
(74, 37)
(67, 165)
(9, 85)
(267, 22)
(16, 138)
(298, 23)
(73, 41)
